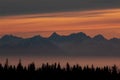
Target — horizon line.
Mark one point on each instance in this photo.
(52, 32)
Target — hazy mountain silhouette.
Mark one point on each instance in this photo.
(77, 44)
(99, 38)
(68, 39)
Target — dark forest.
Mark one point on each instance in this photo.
(56, 72)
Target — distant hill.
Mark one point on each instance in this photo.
(77, 44)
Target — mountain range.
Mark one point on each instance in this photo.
(76, 44)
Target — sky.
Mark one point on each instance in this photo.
(27, 18)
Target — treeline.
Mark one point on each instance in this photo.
(56, 72)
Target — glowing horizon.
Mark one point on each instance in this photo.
(105, 22)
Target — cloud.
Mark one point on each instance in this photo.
(13, 7)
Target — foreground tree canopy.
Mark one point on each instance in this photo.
(56, 72)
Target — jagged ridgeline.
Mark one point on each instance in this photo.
(77, 44)
(56, 72)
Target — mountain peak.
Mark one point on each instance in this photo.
(8, 37)
(5, 36)
(82, 34)
(115, 39)
(79, 35)
(54, 35)
(36, 38)
(99, 37)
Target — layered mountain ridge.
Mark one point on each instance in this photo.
(76, 44)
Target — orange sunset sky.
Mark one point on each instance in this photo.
(92, 22)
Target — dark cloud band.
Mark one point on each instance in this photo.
(12, 7)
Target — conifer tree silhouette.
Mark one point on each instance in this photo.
(20, 66)
(31, 67)
(6, 66)
(56, 72)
